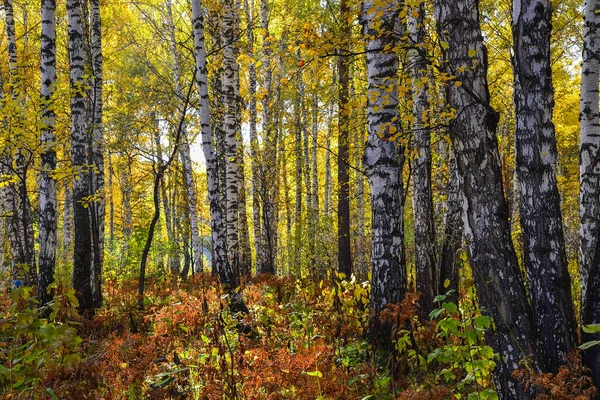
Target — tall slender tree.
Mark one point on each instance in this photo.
(98, 208)
(185, 152)
(230, 71)
(217, 222)
(493, 259)
(383, 162)
(48, 204)
(589, 153)
(589, 211)
(343, 175)
(421, 164)
(536, 156)
(83, 250)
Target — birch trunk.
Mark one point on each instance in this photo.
(269, 159)
(186, 159)
(83, 250)
(485, 213)
(590, 182)
(421, 164)
(382, 165)
(218, 236)
(343, 175)
(230, 69)
(589, 165)
(99, 206)
(541, 217)
(48, 206)
(254, 147)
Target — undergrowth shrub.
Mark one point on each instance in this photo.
(30, 343)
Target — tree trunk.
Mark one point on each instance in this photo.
(254, 146)
(590, 182)
(487, 231)
(99, 206)
(589, 167)
(343, 175)
(230, 70)
(541, 217)
(449, 262)
(48, 204)
(83, 250)
(421, 164)
(217, 223)
(269, 168)
(186, 159)
(382, 164)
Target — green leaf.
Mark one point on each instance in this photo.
(435, 313)
(588, 345)
(51, 393)
(444, 45)
(318, 374)
(472, 53)
(489, 395)
(439, 297)
(592, 328)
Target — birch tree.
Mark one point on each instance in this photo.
(230, 69)
(186, 159)
(487, 230)
(589, 211)
(383, 162)
(97, 149)
(589, 153)
(343, 176)
(48, 206)
(83, 250)
(421, 164)
(536, 156)
(217, 223)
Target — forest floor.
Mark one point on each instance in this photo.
(300, 340)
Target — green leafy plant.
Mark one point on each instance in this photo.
(466, 361)
(30, 342)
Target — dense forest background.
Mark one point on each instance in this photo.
(300, 199)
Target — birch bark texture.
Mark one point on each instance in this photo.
(494, 262)
(589, 150)
(82, 252)
(48, 206)
(422, 197)
(536, 156)
(217, 223)
(186, 159)
(97, 135)
(230, 123)
(590, 182)
(382, 162)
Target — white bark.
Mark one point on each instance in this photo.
(589, 167)
(186, 159)
(536, 157)
(383, 161)
(218, 237)
(48, 206)
(421, 164)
